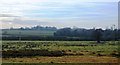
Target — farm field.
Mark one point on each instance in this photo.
(59, 52)
(63, 59)
(28, 32)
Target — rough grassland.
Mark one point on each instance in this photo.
(75, 52)
(64, 59)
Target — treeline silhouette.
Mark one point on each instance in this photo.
(71, 34)
(36, 28)
(89, 34)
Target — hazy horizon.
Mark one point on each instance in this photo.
(69, 13)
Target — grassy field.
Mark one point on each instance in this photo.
(60, 52)
(29, 32)
(66, 46)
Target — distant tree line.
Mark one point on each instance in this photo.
(91, 34)
(36, 28)
(71, 34)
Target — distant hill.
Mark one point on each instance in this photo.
(33, 31)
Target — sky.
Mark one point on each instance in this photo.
(59, 13)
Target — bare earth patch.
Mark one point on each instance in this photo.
(64, 59)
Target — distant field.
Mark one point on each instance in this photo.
(29, 32)
(60, 51)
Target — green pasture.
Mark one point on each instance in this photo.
(106, 48)
(29, 32)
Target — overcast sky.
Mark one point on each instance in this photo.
(59, 13)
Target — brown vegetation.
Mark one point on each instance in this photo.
(64, 59)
